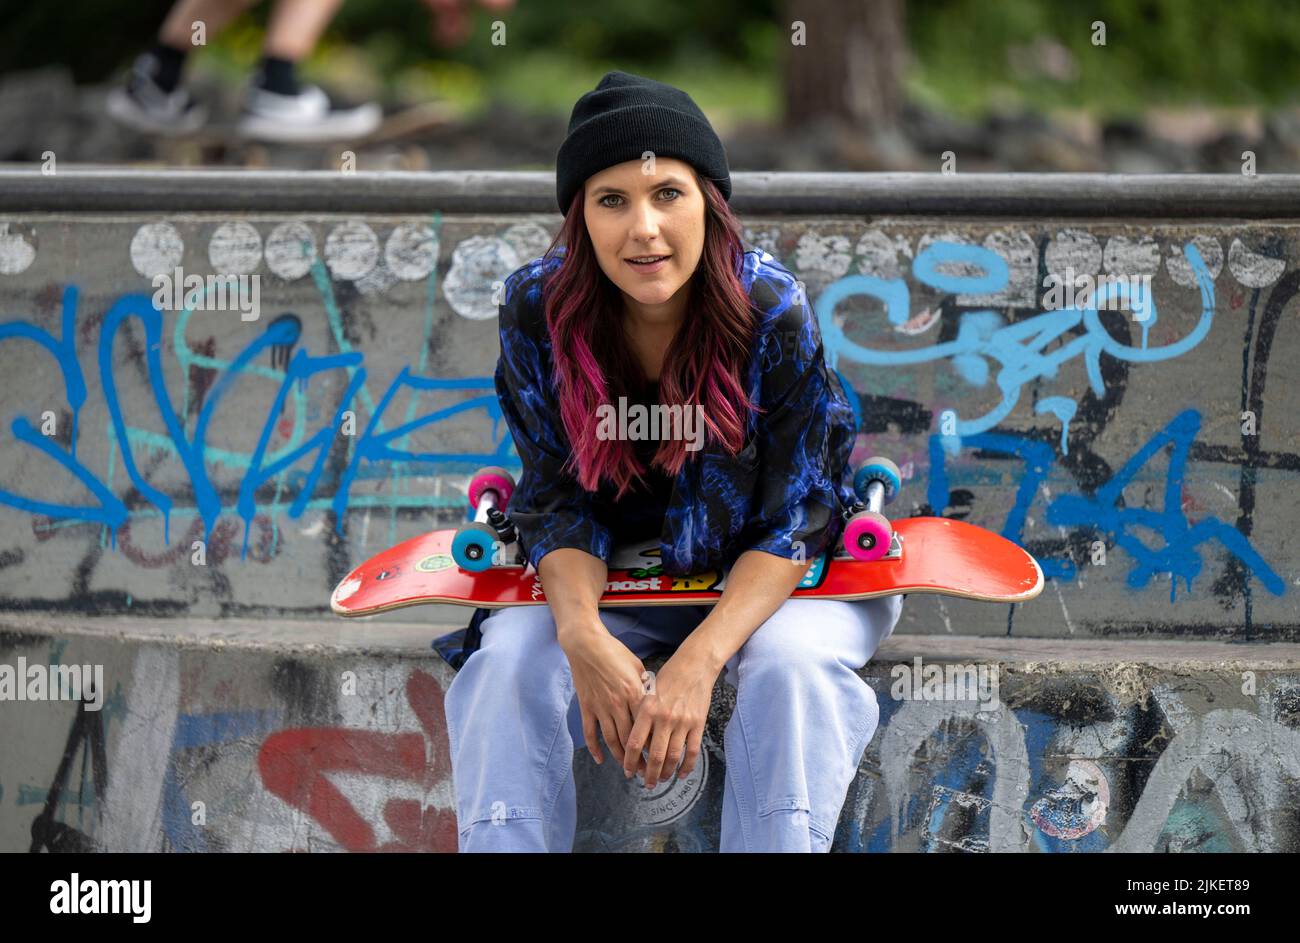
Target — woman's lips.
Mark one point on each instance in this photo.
(652, 267)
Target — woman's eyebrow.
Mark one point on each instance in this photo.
(666, 182)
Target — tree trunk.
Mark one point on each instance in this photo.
(851, 66)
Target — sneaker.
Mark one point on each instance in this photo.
(305, 117)
(143, 106)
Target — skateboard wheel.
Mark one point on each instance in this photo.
(473, 546)
(867, 535)
(494, 479)
(882, 470)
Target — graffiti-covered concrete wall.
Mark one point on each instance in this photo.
(216, 398)
(1119, 396)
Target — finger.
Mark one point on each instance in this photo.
(610, 732)
(692, 753)
(624, 719)
(658, 754)
(676, 746)
(636, 739)
(589, 734)
(624, 752)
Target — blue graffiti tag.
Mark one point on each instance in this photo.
(983, 336)
(1102, 513)
(374, 445)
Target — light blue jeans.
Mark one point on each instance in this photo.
(802, 721)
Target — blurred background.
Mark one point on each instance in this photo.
(1013, 85)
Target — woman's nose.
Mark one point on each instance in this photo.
(645, 222)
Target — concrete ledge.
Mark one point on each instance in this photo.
(412, 639)
(235, 735)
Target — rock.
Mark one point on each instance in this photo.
(37, 112)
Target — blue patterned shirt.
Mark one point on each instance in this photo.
(784, 493)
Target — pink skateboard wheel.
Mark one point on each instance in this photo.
(867, 535)
(491, 479)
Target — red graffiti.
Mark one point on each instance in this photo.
(294, 763)
(225, 541)
(44, 527)
(1189, 505)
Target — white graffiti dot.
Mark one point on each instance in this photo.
(949, 268)
(411, 251)
(290, 250)
(1075, 250)
(1252, 269)
(765, 239)
(351, 250)
(528, 240)
(476, 264)
(1021, 255)
(235, 249)
(829, 254)
(1180, 270)
(16, 253)
(1125, 256)
(156, 249)
(878, 254)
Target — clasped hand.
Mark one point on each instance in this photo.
(636, 710)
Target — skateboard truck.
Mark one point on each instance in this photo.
(506, 532)
(868, 535)
(475, 545)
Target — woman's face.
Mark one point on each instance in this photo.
(633, 214)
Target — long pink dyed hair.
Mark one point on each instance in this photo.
(594, 363)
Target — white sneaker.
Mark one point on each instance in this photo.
(143, 106)
(305, 117)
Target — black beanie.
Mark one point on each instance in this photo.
(627, 115)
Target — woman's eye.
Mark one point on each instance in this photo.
(612, 196)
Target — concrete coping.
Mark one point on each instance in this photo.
(412, 639)
(23, 188)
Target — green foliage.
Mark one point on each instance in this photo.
(971, 54)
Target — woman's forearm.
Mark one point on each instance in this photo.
(574, 581)
(757, 586)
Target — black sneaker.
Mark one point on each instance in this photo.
(144, 106)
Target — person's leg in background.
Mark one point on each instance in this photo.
(513, 724)
(802, 721)
(177, 31)
(153, 99)
(278, 107)
(296, 26)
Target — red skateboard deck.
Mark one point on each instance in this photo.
(927, 555)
